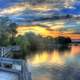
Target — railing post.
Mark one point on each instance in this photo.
(2, 51)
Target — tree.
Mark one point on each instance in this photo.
(13, 32)
(7, 30)
(63, 41)
(30, 42)
(4, 40)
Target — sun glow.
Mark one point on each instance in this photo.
(36, 29)
(45, 32)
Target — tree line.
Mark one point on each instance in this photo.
(31, 42)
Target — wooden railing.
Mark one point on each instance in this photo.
(5, 51)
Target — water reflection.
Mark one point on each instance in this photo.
(57, 56)
(63, 49)
(60, 64)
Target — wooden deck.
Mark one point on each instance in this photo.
(11, 69)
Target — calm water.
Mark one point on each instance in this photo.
(60, 64)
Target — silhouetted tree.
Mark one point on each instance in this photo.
(63, 41)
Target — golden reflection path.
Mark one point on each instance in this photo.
(54, 57)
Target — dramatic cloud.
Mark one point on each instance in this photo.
(32, 12)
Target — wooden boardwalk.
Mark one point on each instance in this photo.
(13, 69)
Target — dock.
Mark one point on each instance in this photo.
(13, 69)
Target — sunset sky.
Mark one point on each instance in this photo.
(28, 14)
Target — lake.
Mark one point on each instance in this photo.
(59, 64)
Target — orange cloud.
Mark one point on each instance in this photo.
(45, 32)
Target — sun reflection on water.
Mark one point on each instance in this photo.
(55, 57)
